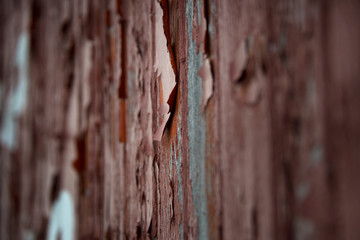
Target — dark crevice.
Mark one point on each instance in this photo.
(65, 27)
(123, 77)
(35, 27)
(138, 231)
(289, 191)
(207, 33)
(153, 222)
(248, 72)
(246, 75)
(172, 103)
(55, 187)
(243, 76)
(172, 201)
(108, 233)
(137, 177)
(149, 229)
(138, 46)
(254, 223)
(108, 18)
(80, 163)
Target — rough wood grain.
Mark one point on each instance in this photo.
(261, 140)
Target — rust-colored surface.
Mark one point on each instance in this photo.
(196, 119)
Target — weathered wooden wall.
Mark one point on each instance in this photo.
(262, 138)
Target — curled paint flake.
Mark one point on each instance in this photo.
(159, 132)
(62, 218)
(164, 109)
(162, 57)
(207, 83)
(164, 70)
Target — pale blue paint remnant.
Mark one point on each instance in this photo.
(210, 24)
(130, 105)
(304, 229)
(196, 128)
(302, 191)
(16, 100)
(62, 218)
(178, 160)
(198, 12)
(28, 235)
(181, 231)
(316, 155)
(170, 160)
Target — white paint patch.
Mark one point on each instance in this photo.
(62, 218)
(16, 101)
(163, 69)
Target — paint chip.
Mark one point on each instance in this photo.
(207, 83)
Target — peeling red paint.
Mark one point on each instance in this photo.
(253, 106)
